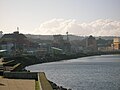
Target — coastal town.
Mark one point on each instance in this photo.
(59, 44)
(16, 43)
(18, 50)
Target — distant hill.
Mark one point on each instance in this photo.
(50, 37)
(41, 37)
(106, 37)
(71, 37)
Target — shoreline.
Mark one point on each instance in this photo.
(74, 57)
(28, 60)
(32, 60)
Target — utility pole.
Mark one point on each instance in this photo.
(18, 29)
(67, 36)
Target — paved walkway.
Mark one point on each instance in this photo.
(16, 84)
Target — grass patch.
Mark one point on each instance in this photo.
(44, 82)
(37, 87)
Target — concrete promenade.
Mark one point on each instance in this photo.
(24, 81)
(21, 80)
(16, 84)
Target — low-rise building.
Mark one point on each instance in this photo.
(91, 43)
(116, 43)
(60, 43)
(14, 42)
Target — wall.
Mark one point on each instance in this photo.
(21, 75)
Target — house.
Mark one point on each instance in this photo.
(14, 42)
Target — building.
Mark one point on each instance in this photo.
(43, 50)
(91, 43)
(77, 46)
(14, 42)
(60, 43)
(116, 43)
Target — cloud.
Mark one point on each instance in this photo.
(101, 27)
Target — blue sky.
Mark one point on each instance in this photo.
(30, 14)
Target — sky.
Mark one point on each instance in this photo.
(79, 17)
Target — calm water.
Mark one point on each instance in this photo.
(88, 73)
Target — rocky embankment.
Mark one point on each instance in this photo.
(56, 87)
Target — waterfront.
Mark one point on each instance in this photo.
(88, 73)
